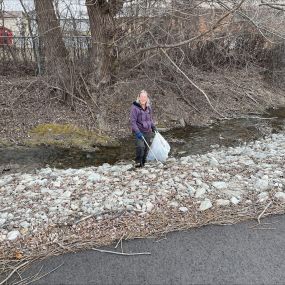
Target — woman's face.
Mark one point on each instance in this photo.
(143, 98)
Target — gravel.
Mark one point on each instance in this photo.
(225, 177)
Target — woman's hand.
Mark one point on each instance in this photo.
(139, 135)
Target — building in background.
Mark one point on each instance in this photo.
(14, 21)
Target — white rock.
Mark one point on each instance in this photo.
(235, 200)
(25, 225)
(219, 184)
(45, 171)
(206, 204)
(149, 206)
(200, 192)
(222, 202)
(262, 184)
(248, 162)
(191, 190)
(45, 190)
(20, 188)
(183, 209)
(2, 222)
(198, 182)
(6, 180)
(74, 206)
(128, 201)
(2, 237)
(10, 216)
(231, 193)
(262, 197)
(138, 206)
(108, 205)
(135, 182)
(184, 158)
(118, 193)
(129, 207)
(66, 195)
(180, 187)
(280, 196)
(174, 204)
(104, 167)
(94, 177)
(144, 171)
(4, 215)
(56, 184)
(127, 167)
(214, 162)
(13, 235)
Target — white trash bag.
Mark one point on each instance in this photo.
(159, 148)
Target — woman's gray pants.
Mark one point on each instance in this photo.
(142, 148)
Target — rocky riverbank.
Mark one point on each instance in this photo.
(35, 208)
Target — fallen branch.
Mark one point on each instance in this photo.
(258, 219)
(42, 276)
(121, 253)
(13, 271)
(193, 83)
(214, 27)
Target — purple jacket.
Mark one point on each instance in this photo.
(141, 120)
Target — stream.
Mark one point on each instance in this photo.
(183, 141)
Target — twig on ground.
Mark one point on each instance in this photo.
(83, 219)
(13, 271)
(28, 278)
(120, 240)
(42, 276)
(121, 253)
(267, 206)
(264, 228)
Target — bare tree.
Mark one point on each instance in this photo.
(55, 51)
(57, 62)
(35, 45)
(102, 25)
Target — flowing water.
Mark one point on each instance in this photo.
(183, 141)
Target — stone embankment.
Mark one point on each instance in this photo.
(250, 174)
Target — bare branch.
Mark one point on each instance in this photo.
(214, 27)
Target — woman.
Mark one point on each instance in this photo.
(142, 126)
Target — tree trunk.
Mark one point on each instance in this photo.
(57, 63)
(56, 54)
(102, 35)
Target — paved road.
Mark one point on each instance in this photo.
(209, 255)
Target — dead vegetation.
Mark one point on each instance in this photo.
(198, 62)
(113, 229)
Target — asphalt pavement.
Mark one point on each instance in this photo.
(236, 254)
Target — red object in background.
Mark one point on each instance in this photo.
(6, 37)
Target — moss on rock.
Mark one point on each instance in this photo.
(67, 135)
(5, 143)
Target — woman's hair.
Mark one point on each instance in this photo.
(138, 98)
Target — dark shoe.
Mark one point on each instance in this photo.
(138, 165)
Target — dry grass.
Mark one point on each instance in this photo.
(91, 232)
(26, 102)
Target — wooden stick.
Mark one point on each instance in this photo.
(13, 271)
(120, 240)
(83, 219)
(192, 82)
(121, 253)
(42, 276)
(258, 219)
